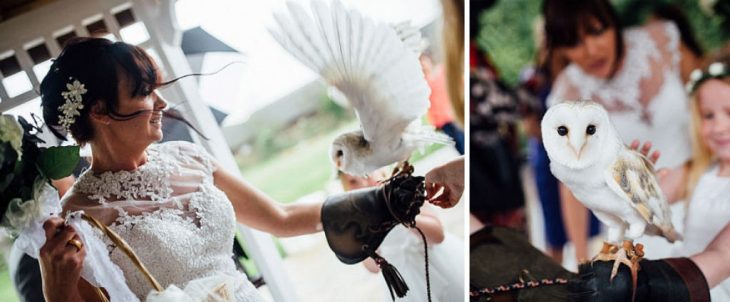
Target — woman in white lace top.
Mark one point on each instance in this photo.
(637, 74)
(171, 202)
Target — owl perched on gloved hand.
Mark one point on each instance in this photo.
(376, 67)
(617, 183)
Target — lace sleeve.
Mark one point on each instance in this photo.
(667, 38)
(194, 154)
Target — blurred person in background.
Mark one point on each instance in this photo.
(440, 114)
(497, 197)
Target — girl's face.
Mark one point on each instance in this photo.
(595, 52)
(145, 127)
(350, 182)
(714, 96)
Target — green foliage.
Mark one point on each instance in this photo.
(58, 162)
(36, 164)
(706, 28)
(506, 34)
(270, 142)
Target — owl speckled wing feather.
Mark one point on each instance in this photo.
(632, 177)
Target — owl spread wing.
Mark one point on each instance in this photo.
(632, 178)
(379, 73)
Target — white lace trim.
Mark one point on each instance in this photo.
(673, 36)
(621, 93)
(149, 181)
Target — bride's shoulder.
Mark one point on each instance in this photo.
(74, 199)
(186, 152)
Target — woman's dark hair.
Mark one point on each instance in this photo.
(97, 63)
(566, 19)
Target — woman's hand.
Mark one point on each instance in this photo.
(450, 178)
(645, 150)
(61, 259)
(672, 181)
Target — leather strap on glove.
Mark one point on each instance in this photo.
(355, 223)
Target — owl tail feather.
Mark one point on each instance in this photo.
(422, 135)
(671, 234)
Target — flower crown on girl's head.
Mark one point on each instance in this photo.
(70, 109)
(716, 70)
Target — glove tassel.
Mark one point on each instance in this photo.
(392, 277)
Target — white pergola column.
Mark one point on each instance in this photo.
(159, 17)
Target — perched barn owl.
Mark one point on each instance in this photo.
(617, 183)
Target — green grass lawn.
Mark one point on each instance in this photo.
(301, 170)
(7, 292)
(304, 169)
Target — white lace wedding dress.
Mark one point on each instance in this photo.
(169, 211)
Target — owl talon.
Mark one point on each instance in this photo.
(607, 253)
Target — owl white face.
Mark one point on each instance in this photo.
(347, 153)
(577, 134)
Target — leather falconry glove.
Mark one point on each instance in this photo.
(666, 280)
(356, 222)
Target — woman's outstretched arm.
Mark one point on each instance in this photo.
(257, 210)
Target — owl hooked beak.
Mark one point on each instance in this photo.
(580, 142)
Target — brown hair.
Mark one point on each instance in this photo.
(453, 38)
(701, 154)
(566, 19)
(98, 63)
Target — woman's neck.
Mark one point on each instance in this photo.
(112, 157)
(724, 170)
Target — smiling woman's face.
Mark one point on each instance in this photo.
(145, 126)
(595, 52)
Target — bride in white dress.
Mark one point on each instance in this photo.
(171, 202)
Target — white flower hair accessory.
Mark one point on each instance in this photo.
(714, 71)
(70, 109)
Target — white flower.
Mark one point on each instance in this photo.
(74, 103)
(76, 88)
(11, 132)
(716, 69)
(21, 214)
(695, 75)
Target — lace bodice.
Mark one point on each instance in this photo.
(645, 98)
(169, 211)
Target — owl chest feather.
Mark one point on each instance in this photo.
(589, 186)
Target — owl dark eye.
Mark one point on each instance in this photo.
(562, 130)
(591, 129)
